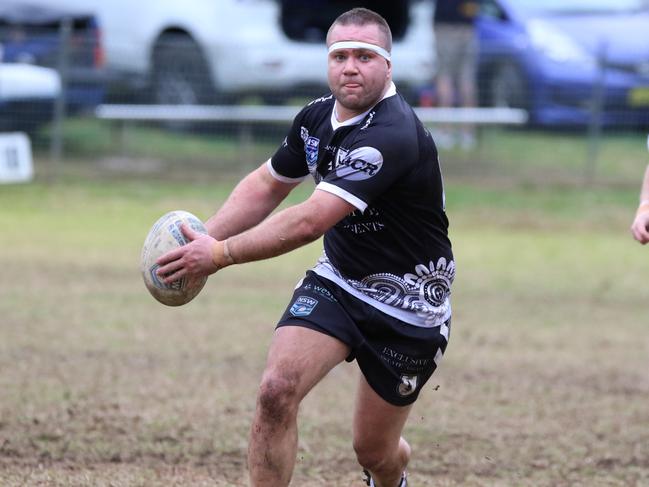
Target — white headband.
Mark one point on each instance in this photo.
(359, 45)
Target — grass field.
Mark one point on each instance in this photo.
(545, 381)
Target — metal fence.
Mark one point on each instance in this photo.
(72, 85)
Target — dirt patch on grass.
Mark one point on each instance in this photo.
(544, 382)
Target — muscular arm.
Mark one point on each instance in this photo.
(290, 228)
(252, 200)
(241, 230)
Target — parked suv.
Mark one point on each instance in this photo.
(206, 51)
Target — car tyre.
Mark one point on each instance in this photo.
(180, 76)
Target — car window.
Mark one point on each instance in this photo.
(490, 8)
(309, 20)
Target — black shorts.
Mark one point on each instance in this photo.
(395, 357)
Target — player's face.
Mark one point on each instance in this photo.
(358, 78)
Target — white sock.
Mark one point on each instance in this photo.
(402, 482)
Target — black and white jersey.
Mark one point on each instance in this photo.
(393, 252)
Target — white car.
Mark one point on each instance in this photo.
(206, 51)
(27, 96)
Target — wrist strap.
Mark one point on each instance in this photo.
(221, 254)
(228, 256)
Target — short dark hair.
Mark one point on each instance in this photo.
(365, 16)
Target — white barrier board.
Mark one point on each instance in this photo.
(15, 158)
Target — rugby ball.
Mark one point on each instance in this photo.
(166, 235)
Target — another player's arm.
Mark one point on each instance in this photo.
(252, 200)
(640, 226)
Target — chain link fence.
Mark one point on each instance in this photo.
(58, 85)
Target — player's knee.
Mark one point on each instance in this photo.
(277, 398)
(368, 455)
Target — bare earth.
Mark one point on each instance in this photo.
(545, 382)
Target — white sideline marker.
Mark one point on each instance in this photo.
(16, 164)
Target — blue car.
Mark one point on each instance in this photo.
(568, 62)
(32, 33)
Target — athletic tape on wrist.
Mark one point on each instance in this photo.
(359, 45)
(226, 253)
(221, 254)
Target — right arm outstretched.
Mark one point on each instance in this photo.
(250, 202)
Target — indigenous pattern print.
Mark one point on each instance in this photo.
(424, 293)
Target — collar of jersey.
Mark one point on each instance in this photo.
(392, 90)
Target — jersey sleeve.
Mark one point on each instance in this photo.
(288, 164)
(376, 161)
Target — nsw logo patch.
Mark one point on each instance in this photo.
(311, 149)
(303, 306)
(311, 145)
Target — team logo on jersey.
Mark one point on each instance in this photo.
(303, 306)
(311, 149)
(408, 385)
(311, 145)
(359, 164)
